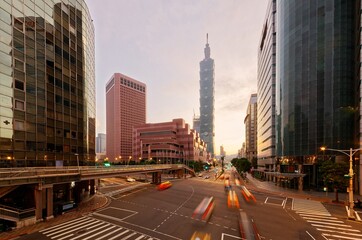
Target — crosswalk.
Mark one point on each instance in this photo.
(318, 216)
(87, 228)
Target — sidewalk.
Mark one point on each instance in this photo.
(88, 205)
(270, 187)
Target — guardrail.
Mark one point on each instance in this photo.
(17, 214)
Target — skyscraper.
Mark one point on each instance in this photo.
(125, 108)
(250, 122)
(47, 93)
(318, 78)
(207, 84)
(266, 90)
(101, 143)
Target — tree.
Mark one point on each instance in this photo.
(254, 163)
(333, 175)
(241, 164)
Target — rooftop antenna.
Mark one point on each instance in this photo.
(207, 38)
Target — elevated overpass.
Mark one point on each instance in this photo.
(43, 183)
(56, 175)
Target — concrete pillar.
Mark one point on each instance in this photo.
(180, 173)
(92, 187)
(156, 178)
(38, 192)
(77, 191)
(49, 203)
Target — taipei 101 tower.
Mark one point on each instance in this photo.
(207, 84)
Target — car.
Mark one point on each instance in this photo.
(131, 179)
(200, 175)
(164, 185)
(247, 227)
(206, 177)
(204, 210)
(233, 201)
(201, 236)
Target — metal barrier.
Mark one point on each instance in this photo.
(16, 214)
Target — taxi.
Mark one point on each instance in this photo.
(164, 185)
(201, 236)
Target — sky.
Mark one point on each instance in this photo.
(161, 43)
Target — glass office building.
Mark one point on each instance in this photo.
(266, 91)
(317, 77)
(47, 92)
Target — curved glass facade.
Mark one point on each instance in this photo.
(317, 75)
(47, 78)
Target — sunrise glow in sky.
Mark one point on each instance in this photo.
(161, 43)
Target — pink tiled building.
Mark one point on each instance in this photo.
(168, 142)
(125, 108)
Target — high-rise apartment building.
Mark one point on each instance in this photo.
(318, 68)
(266, 91)
(250, 122)
(101, 143)
(207, 100)
(47, 84)
(125, 108)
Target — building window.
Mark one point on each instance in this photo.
(19, 125)
(19, 85)
(19, 105)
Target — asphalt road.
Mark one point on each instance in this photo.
(146, 213)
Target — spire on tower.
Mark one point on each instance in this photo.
(207, 48)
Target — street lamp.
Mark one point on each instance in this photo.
(350, 154)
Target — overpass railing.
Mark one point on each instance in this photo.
(15, 176)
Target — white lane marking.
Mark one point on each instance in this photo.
(172, 213)
(88, 232)
(71, 225)
(66, 223)
(125, 195)
(125, 238)
(340, 237)
(324, 220)
(310, 235)
(334, 224)
(104, 236)
(228, 235)
(140, 237)
(316, 213)
(336, 228)
(347, 233)
(71, 229)
(121, 221)
(319, 216)
(107, 229)
(119, 235)
(118, 209)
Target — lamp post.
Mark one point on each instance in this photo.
(350, 154)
